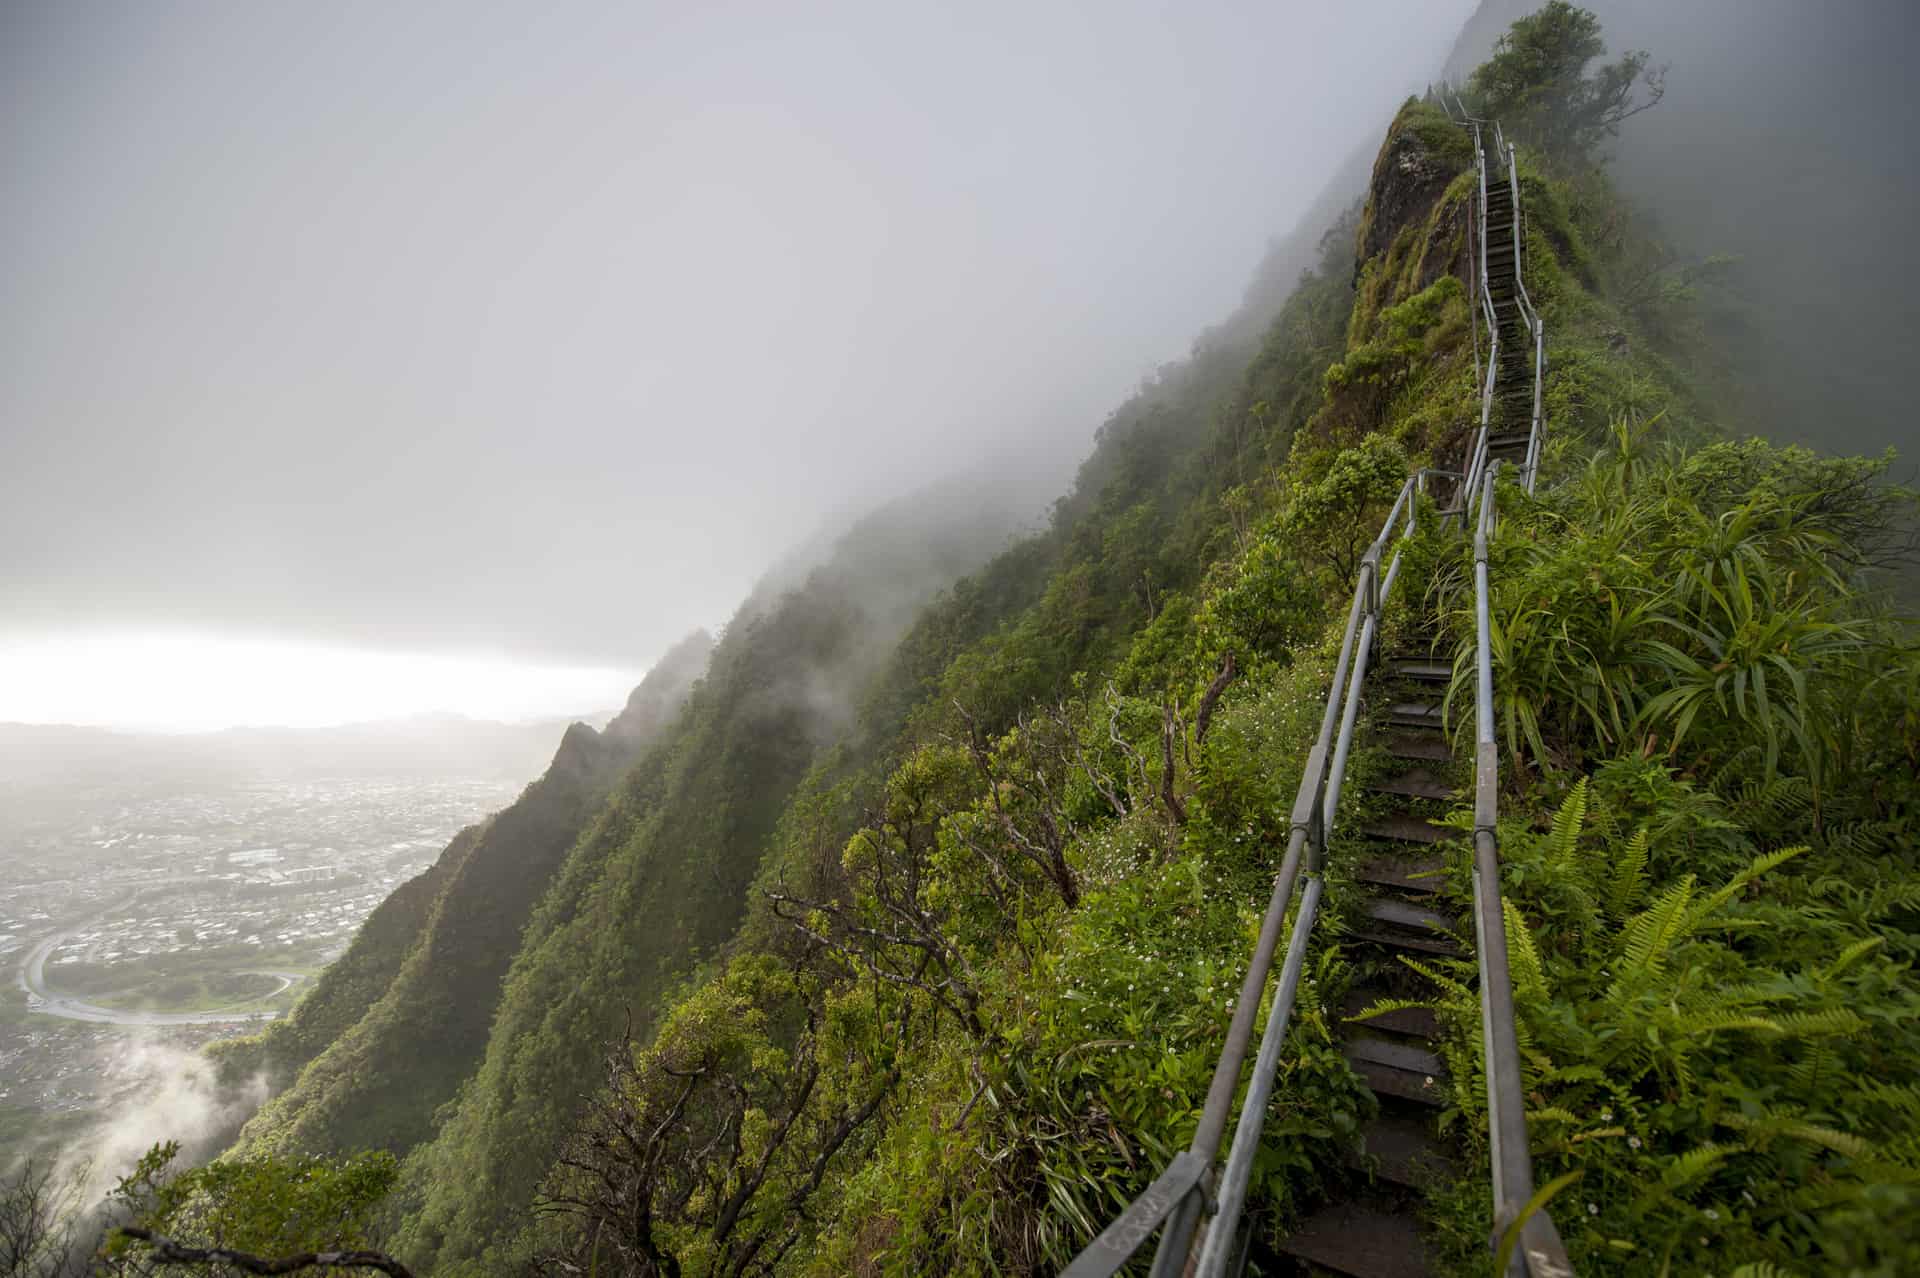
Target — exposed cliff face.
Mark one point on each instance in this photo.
(395, 1049)
(1414, 228)
(1421, 156)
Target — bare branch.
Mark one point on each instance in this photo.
(168, 1252)
(1211, 697)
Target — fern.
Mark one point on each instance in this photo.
(1523, 958)
(1858, 950)
(1629, 881)
(1773, 803)
(1567, 824)
(1650, 935)
(1760, 866)
(1691, 1166)
(1381, 1007)
(1839, 1022)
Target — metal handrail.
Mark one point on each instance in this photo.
(1536, 424)
(1540, 1254)
(1478, 459)
(1180, 1196)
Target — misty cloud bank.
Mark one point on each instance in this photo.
(545, 332)
(178, 1098)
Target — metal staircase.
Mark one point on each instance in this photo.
(1196, 1206)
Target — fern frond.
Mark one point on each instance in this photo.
(1523, 957)
(1851, 954)
(1462, 994)
(1650, 934)
(1629, 876)
(1833, 1022)
(1773, 803)
(1381, 1007)
(1845, 1143)
(1694, 1164)
(1552, 1114)
(1761, 865)
(1567, 824)
(1696, 1027)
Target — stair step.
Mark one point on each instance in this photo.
(1425, 671)
(1415, 714)
(1401, 828)
(1403, 1150)
(1416, 783)
(1398, 913)
(1409, 874)
(1390, 939)
(1414, 1022)
(1361, 1239)
(1419, 745)
(1397, 1069)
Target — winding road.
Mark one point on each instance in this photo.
(32, 978)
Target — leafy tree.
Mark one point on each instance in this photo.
(252, 1215)
(1536, 83)
(1333, 518)
(704, 1151)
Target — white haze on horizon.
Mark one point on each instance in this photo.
(178, 681)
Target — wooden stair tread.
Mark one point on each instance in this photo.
(1403, 1150)
(1425, 671)
(1415, 745)
(1401, 828)
(1384, 1066)
(1397, 913)
(1393, 940)
(1391, 1052)
(1414, 783)
(1361, 1239)
(1410, 874)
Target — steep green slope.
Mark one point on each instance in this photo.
(379, 1079)
(351, 984)
(659, 877)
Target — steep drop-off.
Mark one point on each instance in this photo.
(405, 1032)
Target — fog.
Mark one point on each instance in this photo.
(543, 331)
(1785, 139)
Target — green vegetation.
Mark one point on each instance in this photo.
(1536, 83)
(1709, 868)
(268, 1207)
(897, 952)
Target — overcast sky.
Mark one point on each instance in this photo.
(541, 330)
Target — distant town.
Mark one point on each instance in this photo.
(174, 915)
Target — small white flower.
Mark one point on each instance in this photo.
(1606, 1116)
(1633, 1142)
(1712, 1214)
(1593, 1209)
